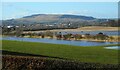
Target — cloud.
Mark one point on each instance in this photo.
(83, 12)
(78, 12)
(16, 15)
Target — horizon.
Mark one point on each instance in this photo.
(92, 9)
(58, 14)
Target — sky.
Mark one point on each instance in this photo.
(12, 10)
(60, 0)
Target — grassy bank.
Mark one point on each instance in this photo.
(87, 28)
(82, 54)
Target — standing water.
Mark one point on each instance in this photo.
(54, 41)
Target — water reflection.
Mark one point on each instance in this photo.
(110, 33)
(54, 41)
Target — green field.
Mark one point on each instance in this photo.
(82, 54)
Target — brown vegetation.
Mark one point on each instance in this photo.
(39, 63)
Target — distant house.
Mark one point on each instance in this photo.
(9, 26)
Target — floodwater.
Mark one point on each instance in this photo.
(54, 41)
(113, 47)
(109, 33)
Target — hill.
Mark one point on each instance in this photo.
(53, 19)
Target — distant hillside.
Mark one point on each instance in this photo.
(53, 18)
(59, 16)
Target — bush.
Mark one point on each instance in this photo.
(40, 63)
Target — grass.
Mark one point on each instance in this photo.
(82, 54)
